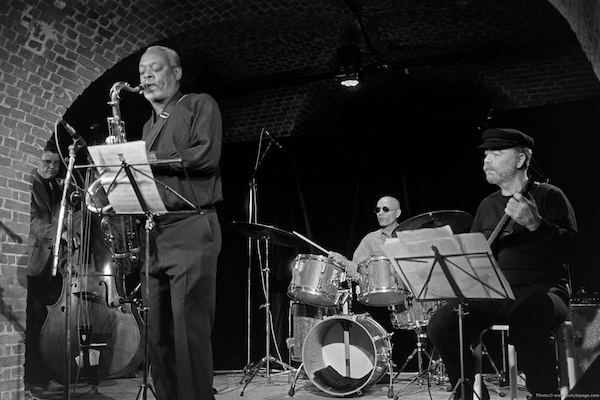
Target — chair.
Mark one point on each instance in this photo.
(512, 363)
(565, 355)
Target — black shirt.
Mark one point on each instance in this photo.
(529, 258)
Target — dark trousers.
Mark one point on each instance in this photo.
(42, 290)
(182, 289)
(531, 319)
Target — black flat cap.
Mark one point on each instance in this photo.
(504, 138)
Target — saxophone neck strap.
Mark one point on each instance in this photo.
(162, 118)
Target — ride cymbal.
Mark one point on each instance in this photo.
(459, 221)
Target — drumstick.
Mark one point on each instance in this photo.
(307, 240)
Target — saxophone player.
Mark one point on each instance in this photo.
(184, 247)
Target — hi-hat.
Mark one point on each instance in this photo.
(459, 221)
(275, 235)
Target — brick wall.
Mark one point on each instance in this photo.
(584, 18)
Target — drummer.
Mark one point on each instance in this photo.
(387, 211)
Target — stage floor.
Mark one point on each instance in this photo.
(229, 388)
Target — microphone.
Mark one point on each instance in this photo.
(275, 142)
(72, 132)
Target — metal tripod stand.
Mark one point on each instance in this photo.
(145, 385)
(419, 350)
(251, 371)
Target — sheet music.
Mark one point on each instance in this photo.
(477, 276)
(121, 195)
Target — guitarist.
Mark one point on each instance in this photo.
(532, 250)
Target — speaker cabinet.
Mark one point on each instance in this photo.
(588, 385)
(586, 325)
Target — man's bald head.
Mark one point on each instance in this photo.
(387, 211)
(391, 201)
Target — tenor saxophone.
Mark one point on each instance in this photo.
(116, 126)
(121, 233)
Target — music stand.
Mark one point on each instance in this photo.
(466, 270)
(111, 161)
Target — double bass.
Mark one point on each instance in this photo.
(104, 325)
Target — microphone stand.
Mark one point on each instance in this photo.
(67, 279)
(253, 219)
(252, 369)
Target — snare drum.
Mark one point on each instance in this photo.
(413, 314)
(315, 280)
(379, 284)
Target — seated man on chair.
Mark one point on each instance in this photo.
(531, 252)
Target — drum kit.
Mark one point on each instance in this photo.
(343, 353)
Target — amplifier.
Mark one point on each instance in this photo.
(585, 316)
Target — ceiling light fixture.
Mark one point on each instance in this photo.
(349, 65)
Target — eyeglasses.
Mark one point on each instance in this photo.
(48, 163)
(384, 209)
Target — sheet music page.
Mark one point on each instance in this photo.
(121, 195)
(477, 276)
(412, 272)
(484, 268)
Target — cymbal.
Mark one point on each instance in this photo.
(275, 235)
(459, 221)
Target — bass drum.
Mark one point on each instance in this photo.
(346, 353)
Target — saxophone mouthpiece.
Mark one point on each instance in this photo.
(141, 88)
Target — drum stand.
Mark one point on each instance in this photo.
(251, 371)
(419, 350)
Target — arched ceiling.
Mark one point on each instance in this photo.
(272, 63)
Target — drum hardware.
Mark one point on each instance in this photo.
(267, 235)
(441, 377)
(420, 351)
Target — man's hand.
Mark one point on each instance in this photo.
(351, 269)
(523, 211)
(76, 239)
